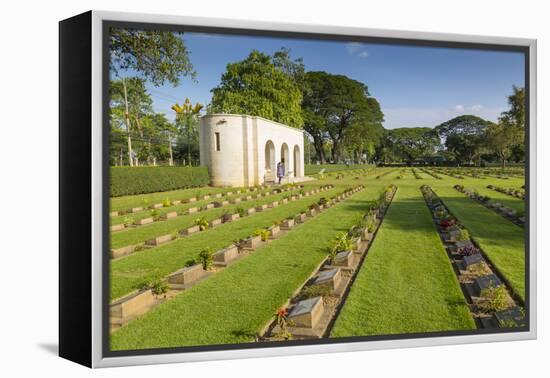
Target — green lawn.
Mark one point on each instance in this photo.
(233, 305)
(406, 283)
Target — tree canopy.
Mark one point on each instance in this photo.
(409, 143)
(261, 86)
(158, 56)
(335, 107)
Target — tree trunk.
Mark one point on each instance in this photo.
(334, 151)
(189, 141)
(171, 160)
(318, 145)
(127, 121)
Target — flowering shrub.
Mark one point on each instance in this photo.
(468, 250)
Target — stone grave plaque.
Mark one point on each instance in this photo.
(159, 240)
(169, 215)
(287, 224)
(343, 258)
(113, 213)
(132, 306)
(472, 260)
(117, 227)
(135, 209)
(186, 275)
(251, 211)
(144, 221)
(209, 206)
(215, 222)
(261, 207)
(218, 195)
(157, 206)
(300, 218)
(253, 242)
(192, 210)
(206, 197)
(122, 251)
(274, 231)
(225, 256)
(306, 313)
(513, 317)
(330, 278)
(192, 199)
(190, 230)
(176, 202)
(486, 282)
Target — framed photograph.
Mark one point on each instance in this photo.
(234, 189)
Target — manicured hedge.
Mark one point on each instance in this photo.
(138, 180)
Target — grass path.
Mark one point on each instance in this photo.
(406, 283)
(233, 305)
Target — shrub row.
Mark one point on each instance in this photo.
(139, 180)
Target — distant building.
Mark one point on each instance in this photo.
(241, 150)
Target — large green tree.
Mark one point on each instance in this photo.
(515, 117)
(335, 107)
(154, 55)
(260, 86)
(410, 143)
(501, 139)
(463, 136)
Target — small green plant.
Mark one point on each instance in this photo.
(155, 214)
(128, 221)
(189, 263)
(494, 299)
(262, 233)
(205, 258)
(322, 201)
(159, 287)
(166, 202)
(342, 242)
(464, 235)
(241, 211)
(314, 291)
(202, 223)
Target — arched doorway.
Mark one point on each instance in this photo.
(297, 167)
(285, 155)
(269, 153)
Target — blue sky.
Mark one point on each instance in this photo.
(416, 86)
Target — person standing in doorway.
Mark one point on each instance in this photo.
(281, 170)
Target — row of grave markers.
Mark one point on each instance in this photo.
(133, 305)
(312, 317)
(194, 210)
(162, 239)
(476, 274)
(499, 208)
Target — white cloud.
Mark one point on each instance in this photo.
(477, 108)
(356, 48)
(459, 108)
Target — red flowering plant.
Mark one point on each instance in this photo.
(468, 250)
(283, 322)
(446, 223)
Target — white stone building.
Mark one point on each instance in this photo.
(241, 150)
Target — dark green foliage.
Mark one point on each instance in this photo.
(139, 180)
